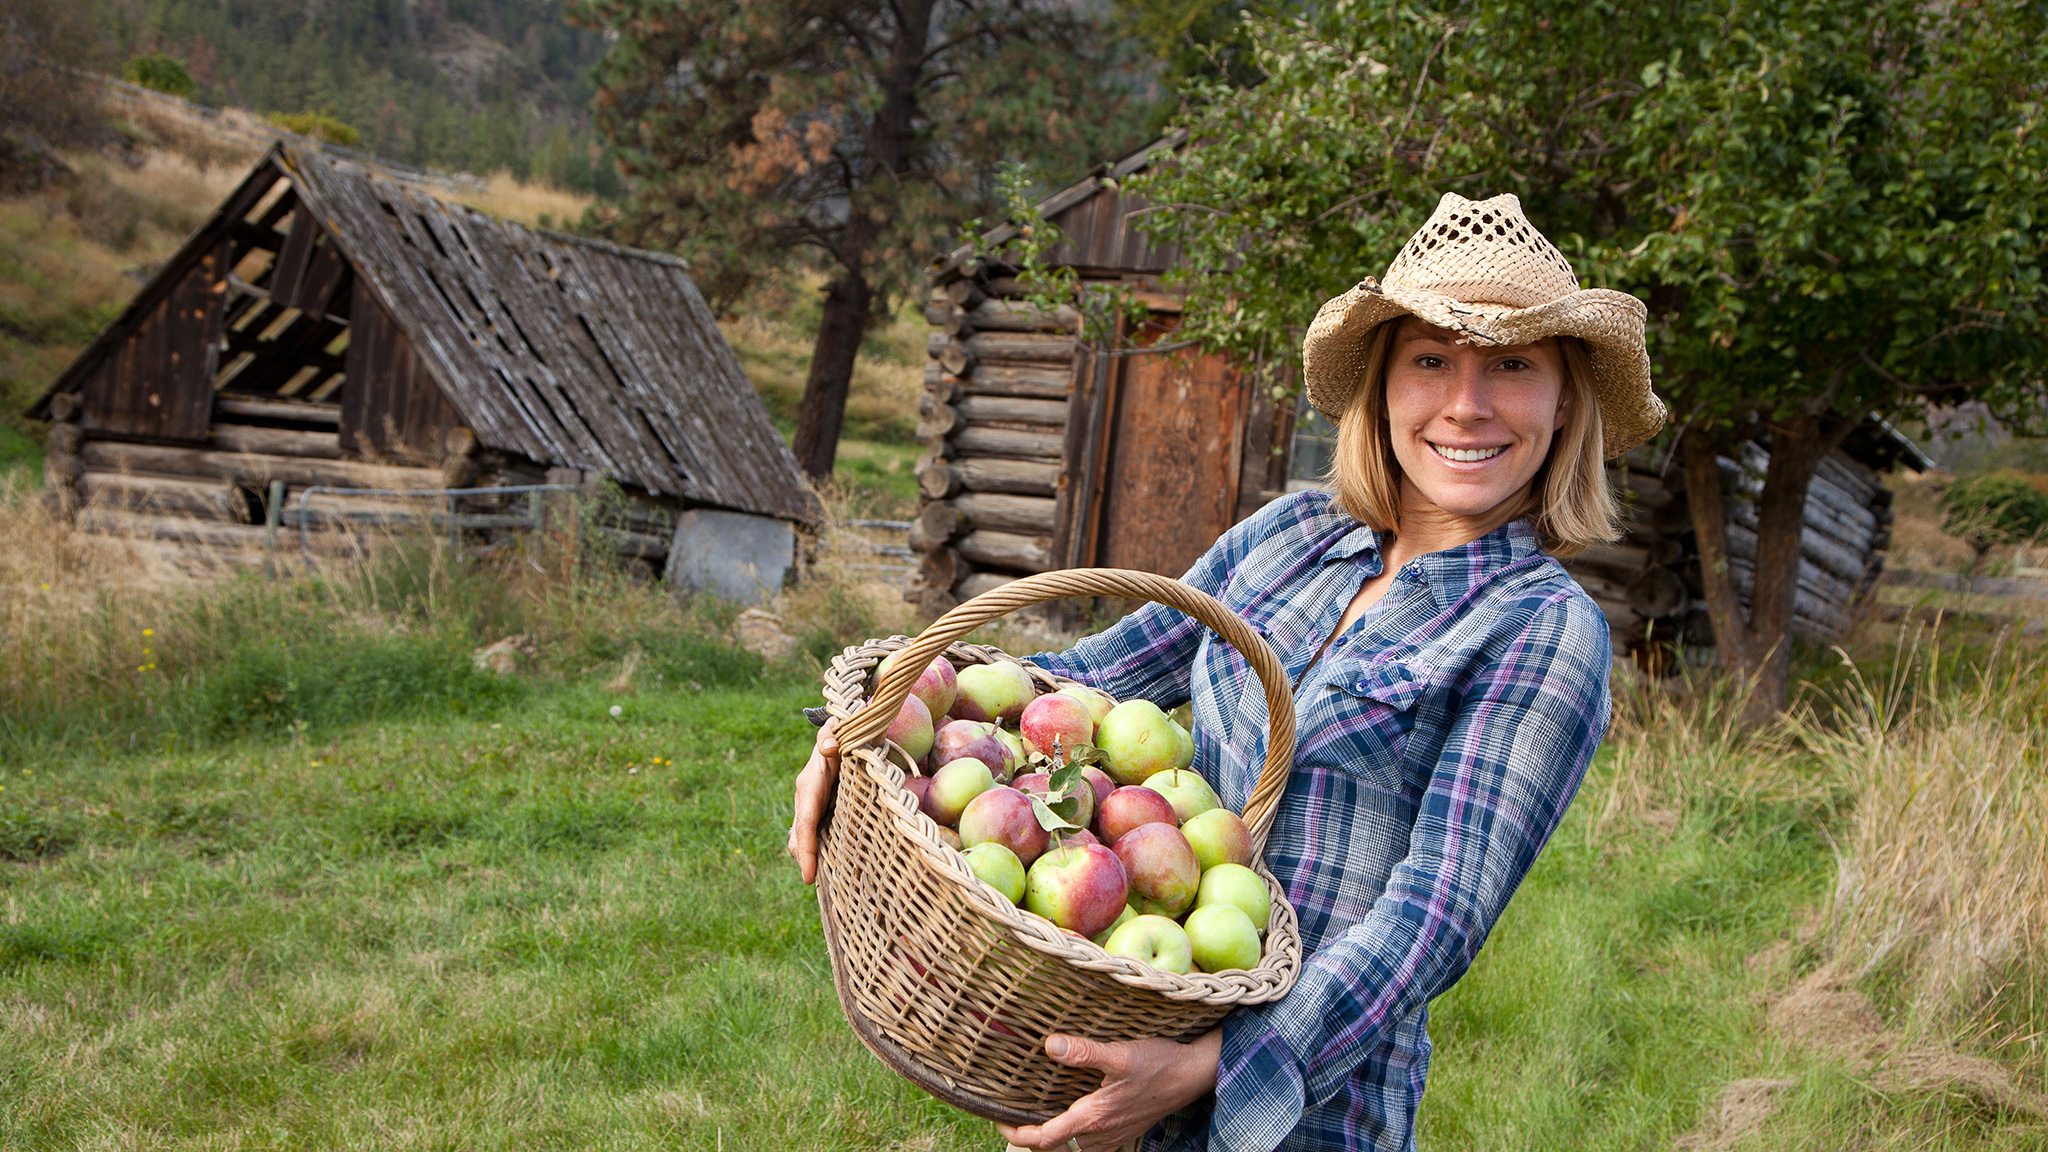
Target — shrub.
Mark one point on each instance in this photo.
(2000, 507)
(318, 125)
(162, 73)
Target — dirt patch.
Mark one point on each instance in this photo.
(1824, 1015)
(1740, 1110)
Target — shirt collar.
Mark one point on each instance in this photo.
(1454, 571)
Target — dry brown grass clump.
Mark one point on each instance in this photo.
(1941, 899)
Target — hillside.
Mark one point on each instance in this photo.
(466, 85)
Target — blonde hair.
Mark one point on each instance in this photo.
(1569, 502)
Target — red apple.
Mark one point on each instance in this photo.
(935, 685)
(1004, 816)
(949, 838)
(912, 728)
(1218, 836)
(1084, 836)
(1137, 741)
(1103, 784)
(954, 786)
(1129, 807)
(958, 738)
(1056, 717)
(1095, 700)
(1079, 888)
(920, 787)
(1165, 876)
(1185, 789)
(992, 692)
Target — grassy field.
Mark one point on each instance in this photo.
(281, 869)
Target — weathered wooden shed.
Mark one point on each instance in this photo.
(329, 328)
(1042, 452)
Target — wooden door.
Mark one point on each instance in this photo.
(1170, 469)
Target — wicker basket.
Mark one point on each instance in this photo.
(939, 975)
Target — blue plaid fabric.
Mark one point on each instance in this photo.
(1440, 739)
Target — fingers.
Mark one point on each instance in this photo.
(1079, 1052)
(813, 797)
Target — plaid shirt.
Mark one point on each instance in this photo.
(1440, 739)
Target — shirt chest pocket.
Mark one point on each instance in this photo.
(1365, 719)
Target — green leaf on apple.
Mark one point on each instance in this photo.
(1052, 818)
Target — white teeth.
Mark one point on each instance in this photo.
(1468, 455)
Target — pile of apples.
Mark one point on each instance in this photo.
(1084, 811)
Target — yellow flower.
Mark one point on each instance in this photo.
(145, 631)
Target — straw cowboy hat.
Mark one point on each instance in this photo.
(1479, 268)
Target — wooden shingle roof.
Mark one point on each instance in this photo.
(568, 351)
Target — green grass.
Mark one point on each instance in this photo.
(548, 929)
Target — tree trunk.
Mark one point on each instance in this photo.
(847, 304)
(1756, 644)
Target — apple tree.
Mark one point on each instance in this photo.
(1830, 207)
(857, 133)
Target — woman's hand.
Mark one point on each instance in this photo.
(813, 796)
(1143, 1082)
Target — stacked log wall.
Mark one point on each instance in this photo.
(1649, 584)
(994, 421)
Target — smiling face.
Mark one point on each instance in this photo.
(1470, 425)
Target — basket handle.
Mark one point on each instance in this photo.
(894, 688)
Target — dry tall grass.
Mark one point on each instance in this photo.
(1942, 891)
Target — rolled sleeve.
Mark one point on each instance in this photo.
(1515, 754)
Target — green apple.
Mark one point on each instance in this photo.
(1097, 702)
(1129, 914)
(1223, 938)
(1185, 742)
(1156, 940)
(1218, 836)
(1136, 740)
(999, 868)
(1185, 789)
(954, 786)
(1238, 886)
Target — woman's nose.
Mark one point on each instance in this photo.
(1467, 400)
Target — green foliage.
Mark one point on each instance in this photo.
(318, 125)
(31, 833)
(1995, 508)
(163, 73)
(799, 135)
(1827, 204)
(468, 85)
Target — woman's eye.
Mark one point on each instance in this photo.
(1429, 361)
(1511, 364)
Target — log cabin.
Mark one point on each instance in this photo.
(330, 328)
(1043, 452)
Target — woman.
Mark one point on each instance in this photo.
(1450, 680)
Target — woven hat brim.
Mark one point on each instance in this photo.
(1609, 322)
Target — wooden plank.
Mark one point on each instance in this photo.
(1007, 442)
(1022, 477)
(290, 268)
(1170, 487)
(1032, 515)
(1016, 316)
(323, 277)
(1029, 381)
(275, 441)
(1009, 410)
(1006, 550)
(263, 408)
(213, 500)
(251, 468)
(1018, 347)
